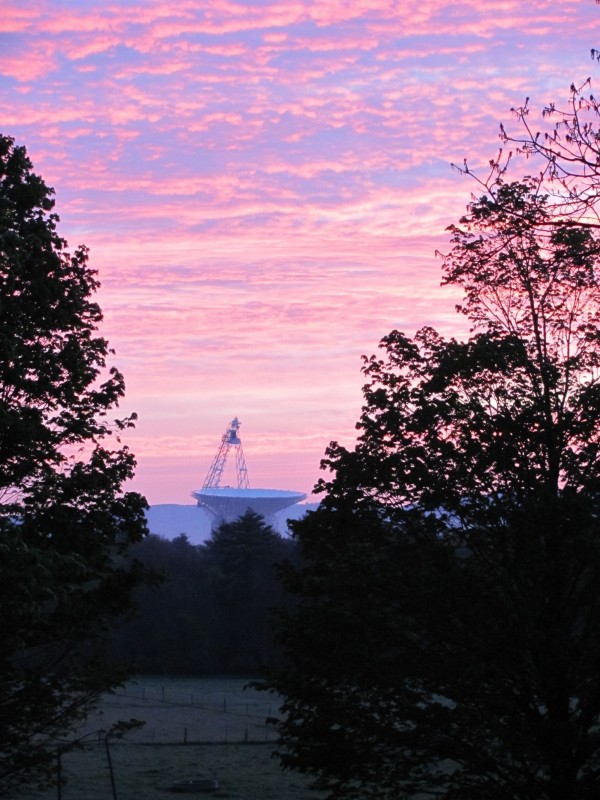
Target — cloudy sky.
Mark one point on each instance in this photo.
(263, 185)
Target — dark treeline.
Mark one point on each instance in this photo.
(211, 614)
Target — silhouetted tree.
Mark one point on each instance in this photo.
(561, 142)
(65, 522)
(447, 637)
(243, 555)
(212, 613)
(174, 627)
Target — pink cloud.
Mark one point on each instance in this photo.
(16, 17)
(263, 187)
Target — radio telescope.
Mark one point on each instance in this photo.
(227, 503)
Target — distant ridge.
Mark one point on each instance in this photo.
(170, 520)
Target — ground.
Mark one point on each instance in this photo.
(194, 728)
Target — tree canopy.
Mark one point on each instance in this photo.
(65, 521)
(446, 641)
(212, 613)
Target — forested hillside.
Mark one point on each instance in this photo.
(211, 613)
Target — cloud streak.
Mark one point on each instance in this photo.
(263, 186)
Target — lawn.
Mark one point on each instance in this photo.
(194, 728)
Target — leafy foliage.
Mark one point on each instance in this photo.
(447, 637)
(242, 556)
(212, 613)
(65, 522)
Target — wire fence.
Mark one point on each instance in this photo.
(182, 711)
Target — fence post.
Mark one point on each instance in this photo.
(110, 769)
(58, 775)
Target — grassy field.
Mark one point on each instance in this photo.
(179, 710)
(194, 728)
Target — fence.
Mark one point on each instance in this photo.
(188, 710)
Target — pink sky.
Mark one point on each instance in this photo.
(263, 186)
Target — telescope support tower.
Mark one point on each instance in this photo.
(229, 439)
